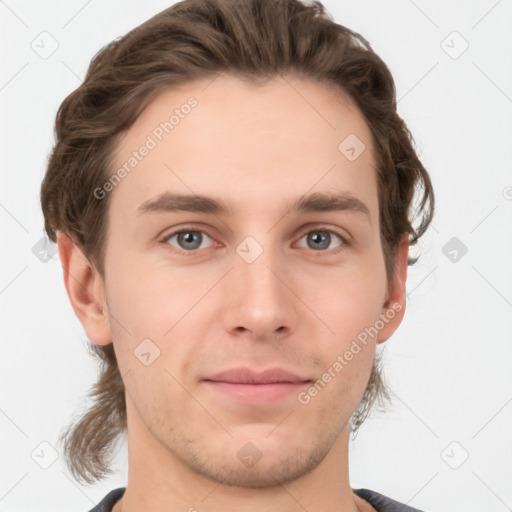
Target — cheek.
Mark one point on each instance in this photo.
(154, 316)
(349, 305)
(348, 299)
(151, 299)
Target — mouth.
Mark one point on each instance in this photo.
(249, 386)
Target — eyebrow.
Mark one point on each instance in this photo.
(315, 202)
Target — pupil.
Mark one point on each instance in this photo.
(320, 240)
(189, 237)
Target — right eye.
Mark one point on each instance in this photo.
(188, 240)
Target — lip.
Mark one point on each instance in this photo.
(248, 376)
(256, 388)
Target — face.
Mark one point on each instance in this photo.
(273, 261)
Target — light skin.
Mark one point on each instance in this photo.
(258, 149)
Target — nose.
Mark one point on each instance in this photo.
(259, 301)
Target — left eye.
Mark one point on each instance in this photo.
(321, 239)
(189, 240)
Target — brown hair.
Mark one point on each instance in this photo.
(193, 39)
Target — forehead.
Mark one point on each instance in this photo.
(252, 144)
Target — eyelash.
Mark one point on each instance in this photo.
(336, 250)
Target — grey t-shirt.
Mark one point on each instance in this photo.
(377, 501)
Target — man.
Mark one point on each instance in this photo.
(231, 193)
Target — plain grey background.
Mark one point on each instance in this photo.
(445, 443)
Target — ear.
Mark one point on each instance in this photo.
(394, 306)
(85, 289)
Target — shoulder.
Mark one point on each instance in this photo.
(382, 503)
(106, 504)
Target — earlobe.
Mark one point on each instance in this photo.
(84, 286)
(394, 308)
